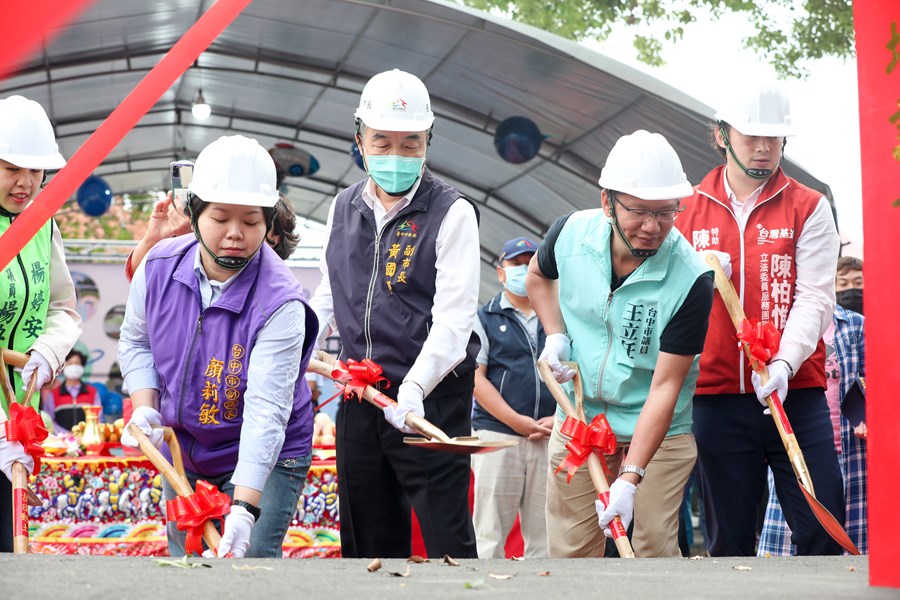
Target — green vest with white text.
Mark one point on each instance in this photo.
(616, 335)
(24, 299)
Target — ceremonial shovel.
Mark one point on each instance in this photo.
(434, 438)
(174, 475)
(20, 487)
(795, 454)
(598, 477)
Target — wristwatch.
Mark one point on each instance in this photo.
(253, 510)
(633, 469)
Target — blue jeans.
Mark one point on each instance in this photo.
(277, 506)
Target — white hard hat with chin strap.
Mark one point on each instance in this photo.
(761, 109)
(643, 165)
(26, 135)
(394, 101)
(233, 170)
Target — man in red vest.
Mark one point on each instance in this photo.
(778, 242)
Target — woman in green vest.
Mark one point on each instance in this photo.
(37, 296)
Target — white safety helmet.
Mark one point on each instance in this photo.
(26, 135)
(644, 165)
(235, 170)
(760, 108)
(395, 101)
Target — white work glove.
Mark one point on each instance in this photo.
(236, 537)
(409, 400)
(556, 351)
(36, 362)
(11, 452)
(779, 373)
(145, 418)
(621, 504)
(724, 260)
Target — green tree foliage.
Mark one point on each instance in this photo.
(126, 219)
(788, 32)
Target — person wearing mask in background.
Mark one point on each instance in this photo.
(848, 284)
(622, 291)
(400, 276)
(214, 343)
(37, 298)
(845, 365)
(511, 403)
(66, 402)
(777, 241)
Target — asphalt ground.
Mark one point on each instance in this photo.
(35, 577)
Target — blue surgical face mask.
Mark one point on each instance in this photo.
(515, 279)
(395, 174)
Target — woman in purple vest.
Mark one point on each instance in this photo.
(213, 345)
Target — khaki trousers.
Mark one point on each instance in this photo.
(572, 528)
(510, 482)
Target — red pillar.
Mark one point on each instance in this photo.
(879, 103)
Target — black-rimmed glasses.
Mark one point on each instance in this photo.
(662, 216)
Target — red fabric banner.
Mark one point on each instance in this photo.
(118, 124)
(877, 24)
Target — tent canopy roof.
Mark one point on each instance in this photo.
(292, 72)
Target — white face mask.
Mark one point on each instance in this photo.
(515, 279)
(73, 371)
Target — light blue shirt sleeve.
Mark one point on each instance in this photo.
(135, 357)
(273, 368)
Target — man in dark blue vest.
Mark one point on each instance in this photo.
(400, 279)
(512, 403)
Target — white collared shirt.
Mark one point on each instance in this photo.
(458, 276)
(743, 209)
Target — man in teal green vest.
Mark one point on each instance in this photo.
(625, 295)
(37, 297)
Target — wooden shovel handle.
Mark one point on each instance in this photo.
(5, 385)
(20, 509)
(20, 490)
(324, 365)
(736, 312)
(177, 480)
(16, 359)
(595, 469)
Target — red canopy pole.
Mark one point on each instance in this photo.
(118, 124)
(43, 19)
(879, 103)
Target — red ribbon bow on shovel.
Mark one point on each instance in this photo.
(355, 376)
(762, 338)
(26, 426)
(598, 437)
(191, 513)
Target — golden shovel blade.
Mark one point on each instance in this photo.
(459, 445)
(828, 521)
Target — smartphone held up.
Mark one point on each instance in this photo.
(182, 172)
